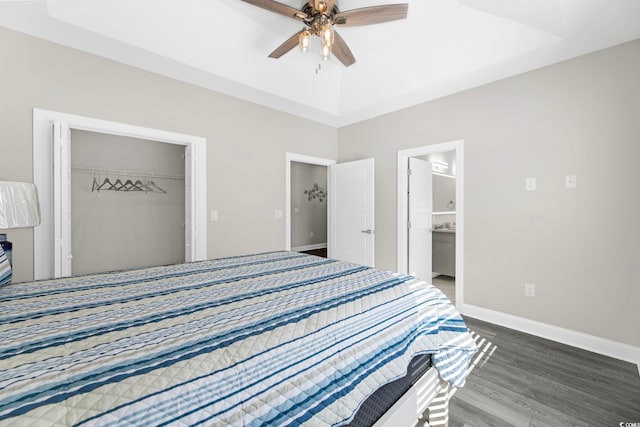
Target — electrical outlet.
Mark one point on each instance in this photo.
(570, 181)
(530, 184)
(277, 214)
(213, 215)
(529, 290)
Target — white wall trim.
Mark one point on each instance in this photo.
(195, 208)
(402, 214)
(599, 345)
(302, 158)
(309, 247)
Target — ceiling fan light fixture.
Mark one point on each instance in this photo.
(304, 40)
(326, 34)
(322, 6)
(326, 51)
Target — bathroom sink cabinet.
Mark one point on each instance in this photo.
(444, 252)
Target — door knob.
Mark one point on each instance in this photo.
(367, 231)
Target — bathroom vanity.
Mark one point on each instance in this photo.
(444, 251)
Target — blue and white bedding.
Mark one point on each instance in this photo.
(271, 339)
(5, 268)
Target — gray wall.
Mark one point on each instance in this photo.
(579, 247)
(307, 217)
(115, 230)
(246, 142)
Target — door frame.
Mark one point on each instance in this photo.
(403, 212)
(302, 158)
(43, 157)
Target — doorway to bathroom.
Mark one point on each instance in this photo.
(443, 224)
(430, 241)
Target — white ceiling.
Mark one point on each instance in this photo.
(444, 46)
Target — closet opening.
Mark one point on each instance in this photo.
(127, 203)
(53, 176)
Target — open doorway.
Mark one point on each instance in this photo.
(446, 226)
(351, 207)
(309, 208)
(306, 219)
(443, 224)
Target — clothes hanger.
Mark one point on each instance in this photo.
(139, 186)
(130, 186)
(153, 185)
(117, 186)
(105, 182)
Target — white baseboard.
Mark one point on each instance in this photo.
(309, 247)
(599, 345)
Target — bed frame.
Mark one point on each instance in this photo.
(426, 402)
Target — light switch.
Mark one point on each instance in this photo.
(530, 184)
(213, 215)
(277, 214)
(529, 290)
(570, 181)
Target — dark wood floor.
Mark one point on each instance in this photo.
(530, 381)
(317, 252)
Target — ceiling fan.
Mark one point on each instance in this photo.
(319, 17)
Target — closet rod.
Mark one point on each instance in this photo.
(129, 173)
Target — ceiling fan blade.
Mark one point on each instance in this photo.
(286, 46)
(279, 8)
(342, 51)
(372, 15)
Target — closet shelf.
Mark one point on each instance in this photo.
(139, 174)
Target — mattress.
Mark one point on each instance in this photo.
(383, 399)
(269, 339)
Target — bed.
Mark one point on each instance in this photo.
(279, 338)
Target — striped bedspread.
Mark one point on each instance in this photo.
(269, 339)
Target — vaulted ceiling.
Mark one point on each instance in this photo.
(444, 46)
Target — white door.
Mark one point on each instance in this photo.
(62, 199)
(351, 211)
(420, 218)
